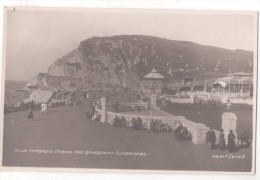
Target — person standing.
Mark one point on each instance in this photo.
(67, 100)
(152, 125)
(231, 141)
(243, 139)
(31, 104)
(207, 137)
(222, 143)
(116, 107)
(212, 139)
(74, 101)
(45, 107)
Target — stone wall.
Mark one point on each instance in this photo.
(198, 130)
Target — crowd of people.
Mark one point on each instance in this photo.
(57, 103)
(231, 145)
(244, 140)
(27, 106)
(138, 124)
(159, 126)
(59, 99)
(66, 98)
(119, 122)
(22, 106)
(135, 123)
(182, 133)
(92, 114)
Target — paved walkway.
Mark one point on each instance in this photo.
(63, 133)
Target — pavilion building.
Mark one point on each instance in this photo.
(153, 83)
(237, 83)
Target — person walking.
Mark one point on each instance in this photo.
(30, 116)
(222, 143)
(212, 139)
(44, 107)
(231, 141)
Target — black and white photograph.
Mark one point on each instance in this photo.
(129, 90)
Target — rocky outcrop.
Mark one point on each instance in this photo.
(37, 82)
(40, 96)
(100, 61)
(44, 81)
(124, 60)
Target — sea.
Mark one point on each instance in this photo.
(14, 92)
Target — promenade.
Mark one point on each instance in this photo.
(62, 137)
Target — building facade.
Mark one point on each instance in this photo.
(237, 83)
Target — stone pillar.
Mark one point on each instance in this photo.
(153, 100)
(191, 98)
(229, 122)
(103, 102)
(199, 134)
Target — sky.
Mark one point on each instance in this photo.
(36, 38)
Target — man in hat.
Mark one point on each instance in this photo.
(212, 138)
(222, 143)
(231, 141)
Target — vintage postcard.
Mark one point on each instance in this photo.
(127, 90)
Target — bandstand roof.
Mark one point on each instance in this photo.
(154, 75)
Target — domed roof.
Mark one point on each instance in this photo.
(234, 80)
(153, 75)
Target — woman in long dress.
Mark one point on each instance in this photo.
(30, 116)
(231, 141)
(222, 143)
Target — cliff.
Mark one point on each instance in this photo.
(123, 60)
